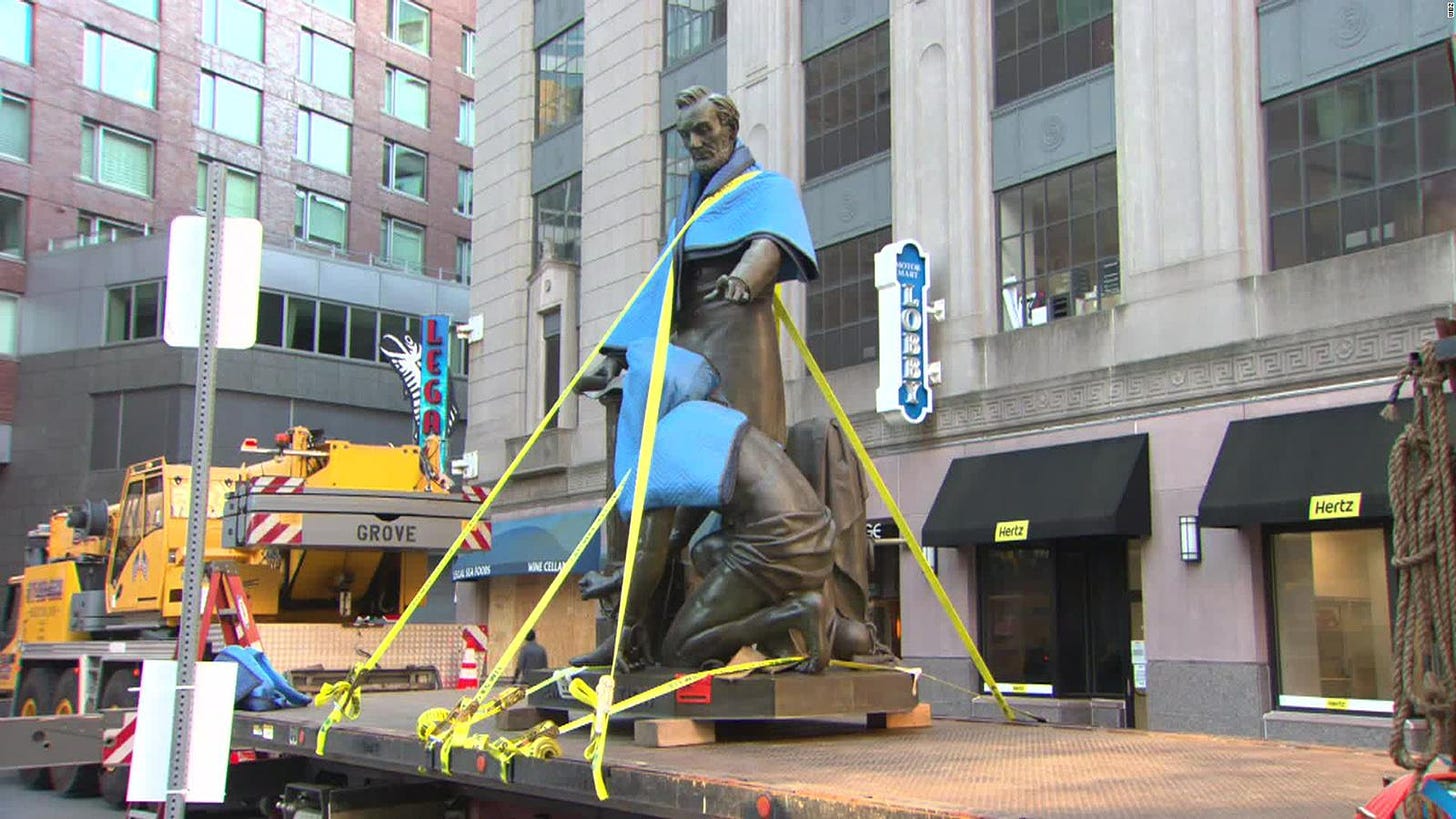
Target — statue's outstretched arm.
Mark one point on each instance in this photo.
(755, 272)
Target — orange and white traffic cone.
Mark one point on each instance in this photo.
(472, 657)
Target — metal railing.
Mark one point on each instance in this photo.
(286, 241)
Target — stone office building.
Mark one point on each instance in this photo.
(1183, 249)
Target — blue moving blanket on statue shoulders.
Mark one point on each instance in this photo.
(693, 458)
(765, 206)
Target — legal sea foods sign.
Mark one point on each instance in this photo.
(902, 277)
(424, 368)
(435, 380)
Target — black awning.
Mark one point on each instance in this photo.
(1268, 469)
(1086, 489)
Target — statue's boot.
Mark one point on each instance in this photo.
(653, 552)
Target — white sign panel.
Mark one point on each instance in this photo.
(237, 304)
(212, 732)
(902, 277)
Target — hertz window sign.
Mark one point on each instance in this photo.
(1330, 507)
(902, 277)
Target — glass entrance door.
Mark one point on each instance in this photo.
(1056, 617)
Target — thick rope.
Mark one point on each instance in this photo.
(1423, 504)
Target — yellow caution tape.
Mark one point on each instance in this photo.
(350, 695)
(450, 729)
(911, 542)
(606, 686)
(665, 688)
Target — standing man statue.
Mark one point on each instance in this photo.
(726, 266)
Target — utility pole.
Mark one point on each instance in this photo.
(188, 636)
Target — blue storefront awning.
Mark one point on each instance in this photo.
(536, 545)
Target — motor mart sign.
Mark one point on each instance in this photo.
(902, 277)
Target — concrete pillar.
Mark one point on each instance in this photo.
(1189, 145)
(940, 97)
(505, 111)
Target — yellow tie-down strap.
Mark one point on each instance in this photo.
(345, 694)
(911, 542)
(445, 728)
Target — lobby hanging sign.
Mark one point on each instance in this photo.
(902, 277)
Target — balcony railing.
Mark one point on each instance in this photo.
(287, 241)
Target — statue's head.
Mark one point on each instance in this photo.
(708, 125)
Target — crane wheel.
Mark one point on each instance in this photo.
(33, 699)
(117, 693)
(71, 780)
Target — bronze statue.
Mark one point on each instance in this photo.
(763, 571)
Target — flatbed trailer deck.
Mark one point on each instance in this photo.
(839, 768)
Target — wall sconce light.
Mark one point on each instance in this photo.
(1190, 540)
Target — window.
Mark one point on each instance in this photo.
(676, 166)
(1332, 610)
(465, 131)
(12, 226)
(459, 357)
(9, 325)
(462, 260)
(120, 68)
(116, 159)
(559, 65)
(1363, 160)
(693, 26)
(134, 312)
(847, 103)
(467, 52)
(93, 229)
(320, 219)
(465, 192)
(406, 97)
(230, 109)
(312, 326)
(405, 169)
(325, 64)
(558, 222)
(550, 360)
(16, 17)
(1056, 618)
(1039, 44)
(323, 141)
(842, 317)
(363, 333)
(338, 8)
(14, 127)
(300, 324)
(235, 26)
(143, 8)
(402, 243)
(394, 324)
(240, 191)
(270, 318)
(409, 25)
(333, 328)
(1059, 245)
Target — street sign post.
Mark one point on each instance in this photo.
(198, 275)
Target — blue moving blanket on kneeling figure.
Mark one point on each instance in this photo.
(693, 458)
